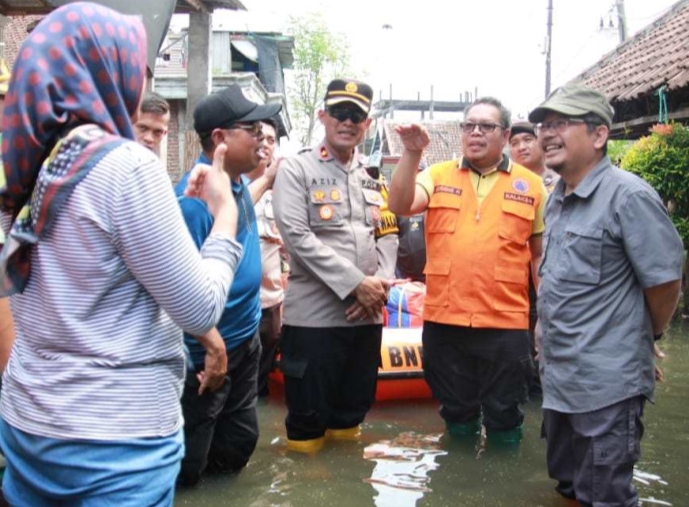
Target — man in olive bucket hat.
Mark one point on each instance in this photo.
(610, 281)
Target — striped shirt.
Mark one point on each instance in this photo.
(98, 353)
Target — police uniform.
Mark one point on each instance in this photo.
(330, 217)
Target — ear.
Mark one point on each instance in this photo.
(321, 115)
(600, 136)
(367, 122)
(506, 137)
(218, 136)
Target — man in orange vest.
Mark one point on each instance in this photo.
(483, 228)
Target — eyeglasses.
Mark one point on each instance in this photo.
(558, 126)
(342, 114)
(255, 128)
(484, 128)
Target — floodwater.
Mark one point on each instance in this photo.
(404, 460)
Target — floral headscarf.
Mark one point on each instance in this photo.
(84, 64)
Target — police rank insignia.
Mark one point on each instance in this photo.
(324, 152)
(335, 195)
(351, 87)
(318, 196)
(520, 185)
(326, 212)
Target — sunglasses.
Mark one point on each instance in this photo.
(255, 128)
(343, 114)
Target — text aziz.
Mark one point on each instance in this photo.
(323, 181)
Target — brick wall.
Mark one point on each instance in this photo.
(14, 34)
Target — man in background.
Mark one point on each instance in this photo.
(154, 118)
(524, 150)
(272, 291)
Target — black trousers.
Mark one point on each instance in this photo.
(474, 372)
(269, 331)
(221, 427)
(592, 455)
(330, 377)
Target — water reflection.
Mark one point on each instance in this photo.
(400, 476)
(647, 480)
(401, 462)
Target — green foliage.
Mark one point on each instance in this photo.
(319, 56)
(662, 159)
(617, 149)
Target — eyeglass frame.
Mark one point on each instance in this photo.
(349, 112)
(564, 125)
(483, 127)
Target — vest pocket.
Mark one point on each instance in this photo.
(517, 221)
(581, 256)
(437, 272)
(443, 213)
(511, 288)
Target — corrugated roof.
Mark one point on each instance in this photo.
(657, 55)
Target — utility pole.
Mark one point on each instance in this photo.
(621, 20)
(548, 47)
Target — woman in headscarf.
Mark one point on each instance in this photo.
(103, 273)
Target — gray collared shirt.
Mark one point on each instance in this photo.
(604, 243)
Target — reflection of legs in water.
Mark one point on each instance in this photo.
(402, 467)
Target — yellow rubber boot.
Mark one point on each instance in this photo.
(352, 433)
(306, 446)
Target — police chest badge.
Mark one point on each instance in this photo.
(326, 212)
(318, 196)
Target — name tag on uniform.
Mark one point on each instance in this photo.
(373, 197)
(371, 184)
(519, 198)
(444, 189)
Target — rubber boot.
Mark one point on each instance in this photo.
(506, 438)
(306, 446)
(351, 434)
(468, 429)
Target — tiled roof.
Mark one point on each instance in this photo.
(657, 55)
(445, 136)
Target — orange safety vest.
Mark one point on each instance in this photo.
(478, 257)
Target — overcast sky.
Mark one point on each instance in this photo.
(495, 46)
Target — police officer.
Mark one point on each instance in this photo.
(327, 209)
(483, 228)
